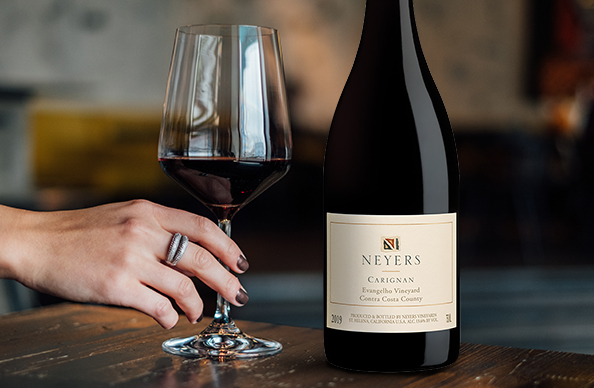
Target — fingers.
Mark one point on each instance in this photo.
(147, 287)
(168, 281)
(179, 287)
(202, 264)
(151, 303)
(203, 232)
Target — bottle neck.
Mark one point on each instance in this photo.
(389, 31)
(390, 56)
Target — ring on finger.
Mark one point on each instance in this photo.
(177, 248)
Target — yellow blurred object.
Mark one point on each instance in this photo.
(111, 152)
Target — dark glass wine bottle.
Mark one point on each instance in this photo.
(391, 185)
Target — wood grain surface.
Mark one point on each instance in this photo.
(73, 345)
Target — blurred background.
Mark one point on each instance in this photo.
(82, 85)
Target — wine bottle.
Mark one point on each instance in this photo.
(391, 185)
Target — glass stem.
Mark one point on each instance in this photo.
(222, 312)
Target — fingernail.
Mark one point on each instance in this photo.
(242, 263)
(242, 296)
(199, 318)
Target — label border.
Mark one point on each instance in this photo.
(453, 257)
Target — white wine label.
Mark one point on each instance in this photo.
(391, 274)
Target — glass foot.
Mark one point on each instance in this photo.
(222, 345)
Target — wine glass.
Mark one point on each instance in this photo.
(225, 138)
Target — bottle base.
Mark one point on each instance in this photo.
(427, 368)
(391, 353)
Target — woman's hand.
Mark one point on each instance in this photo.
(115, 254)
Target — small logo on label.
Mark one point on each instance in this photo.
(390, 244)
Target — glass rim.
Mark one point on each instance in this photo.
(223, 29)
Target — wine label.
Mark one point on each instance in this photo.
(391, 274)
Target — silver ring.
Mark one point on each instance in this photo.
(173, 247)
(177, 248)
(180, 250)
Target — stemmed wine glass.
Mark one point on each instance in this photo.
(225, 138)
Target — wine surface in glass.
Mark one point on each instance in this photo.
(224, 184)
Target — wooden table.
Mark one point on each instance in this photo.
(74, 345)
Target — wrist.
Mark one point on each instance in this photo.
(12, 244)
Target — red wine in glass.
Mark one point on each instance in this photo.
(224, 184)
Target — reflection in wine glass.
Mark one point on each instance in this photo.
(205, 110)
(218, 188)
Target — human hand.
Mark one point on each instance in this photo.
(114, 254)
